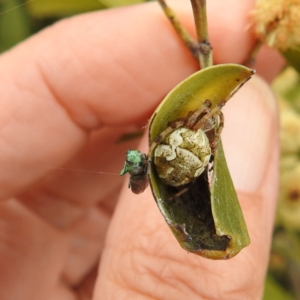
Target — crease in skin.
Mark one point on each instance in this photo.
(190, 284)
(86, 117)
(68, 55)
(40, 202)
(129, 72)
(173, 282)
(56, 98)
(44, 94)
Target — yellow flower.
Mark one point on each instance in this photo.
(277, 23)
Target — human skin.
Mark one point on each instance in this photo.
(67, 95)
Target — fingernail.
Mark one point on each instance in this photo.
(250, 134)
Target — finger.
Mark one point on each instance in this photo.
(66, 199)
(51, 131)
(32, 254)
(142, 257)
(38, 260)
(41, 262)
(89, 179)
(86, 236)
(76, 76)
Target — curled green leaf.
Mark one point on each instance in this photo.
(204, 215)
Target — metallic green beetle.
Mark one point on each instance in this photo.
(136, 165)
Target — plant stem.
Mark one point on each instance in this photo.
(252, 58)
(181, 31)
(205, 49)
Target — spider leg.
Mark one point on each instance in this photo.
(216, 140)
(160, 138)
(192, 119)
(186, 122)
(179, 193)
(185, 189)
(202, 121)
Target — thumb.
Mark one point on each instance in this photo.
(143, 260)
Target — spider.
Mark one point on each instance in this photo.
(181, 152)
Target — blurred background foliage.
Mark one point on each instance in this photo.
(20, 19)
(284, 266)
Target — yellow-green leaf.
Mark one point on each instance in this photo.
(226, 209)
(274, 291)
(59, 8)
(206, 219)
(114, 3)
(14, 24)
(214, 83)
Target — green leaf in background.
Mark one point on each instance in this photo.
(114, 3)
(60, 8)
(273, 291)
(14, 24)
(292, 55)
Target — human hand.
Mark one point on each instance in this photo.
(67, 95)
